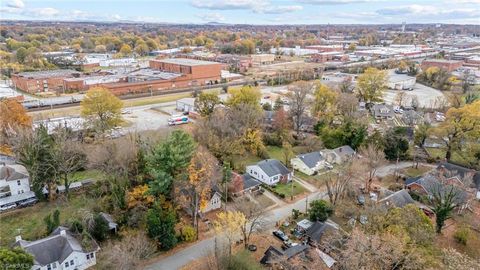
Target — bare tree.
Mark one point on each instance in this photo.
(338, 185)
(68, 155)
(254, 217)
(400, 98)
(299, 95)
(372, 157)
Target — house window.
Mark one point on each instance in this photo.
(71, 262)
(66, 264)
(54, 265)
(92, 255)
(49, 267)
(18, 182)
(88, 256)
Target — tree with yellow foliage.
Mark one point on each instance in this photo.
(371, 85)
(13, 117)
(324, 102)
(244, 95)
(139, 196)
(460, 124)
(203, 172)
(229, 224)
(101, 109)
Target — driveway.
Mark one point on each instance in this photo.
(390, 168)
(202, 248)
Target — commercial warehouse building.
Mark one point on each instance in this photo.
(43, 81)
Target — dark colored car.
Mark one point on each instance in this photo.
(280, 235)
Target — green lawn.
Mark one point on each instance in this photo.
(87, 174)
(28, 221)
(317, 180)
(439, 153)
(287, 189)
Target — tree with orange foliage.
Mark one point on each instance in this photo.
(139, 196)
(203, 173)
(13, 117)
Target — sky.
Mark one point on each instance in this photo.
(247, 11)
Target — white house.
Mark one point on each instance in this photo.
(60, 251)
(14, 185)
(270, 172)
(214, 203)
(309, 163)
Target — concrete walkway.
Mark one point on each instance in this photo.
(306, 185)
(274, 198)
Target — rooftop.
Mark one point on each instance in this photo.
(48, 73)
(186, 62)
(273, 167)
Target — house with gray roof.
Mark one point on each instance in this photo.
(430, 184)
(397, 199)
(382, 111)
(242, 184)
(274, 255)
(60, 250)
(338, 155)
(309, 163)
(270, 172)
(315, 232)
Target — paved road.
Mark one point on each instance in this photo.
(202, 248)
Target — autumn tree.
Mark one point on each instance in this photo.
(371, 85)
(125, 50)
(400, 98)
(139, 196)
(205, 103)
(460, 124)
(229, 224)
(13, 118)
(244, 95)
(299, 96)
(101, 109)
(203, 174)
(324, 102)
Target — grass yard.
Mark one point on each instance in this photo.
(414, 172)
(317, 180)
(88, 174)
(439, 154)
(286, 189)
(28, 221)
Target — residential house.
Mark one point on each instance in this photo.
(462, 173)
(431, 184)
(270, 172)
(397, 199)
(273, 255)
(303, 225)
(317, 230)
(338, 155)
(242, 184)
(382, 111)
(214, 202)
(309, 163)
(14, 185)
(60, 250)
(411, 117)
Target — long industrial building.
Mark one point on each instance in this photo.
(162, 74)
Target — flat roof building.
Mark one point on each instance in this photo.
(448, 65)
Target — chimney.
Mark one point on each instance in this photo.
(18, 238)
(340, 149)
(63, 232)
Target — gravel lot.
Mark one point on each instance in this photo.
(427, 96)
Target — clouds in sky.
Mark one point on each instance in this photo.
(248, 11)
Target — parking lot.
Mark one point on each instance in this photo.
(427, 97)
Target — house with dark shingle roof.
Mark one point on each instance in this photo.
(274, 255)
(270, 172)
(397, 199)
(382, 111)
(315, 232)
(309, 163)
(59, 250)
(242, 184)
(338, 155)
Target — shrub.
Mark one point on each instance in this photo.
(461, 235)
(188, 233)
(100, 228)
(320, 210)
(295, 213)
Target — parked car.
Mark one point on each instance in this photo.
(288, 244)
(28, 202)
(280, 235)
(361, 199)
(398, 110)
(8, 207)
